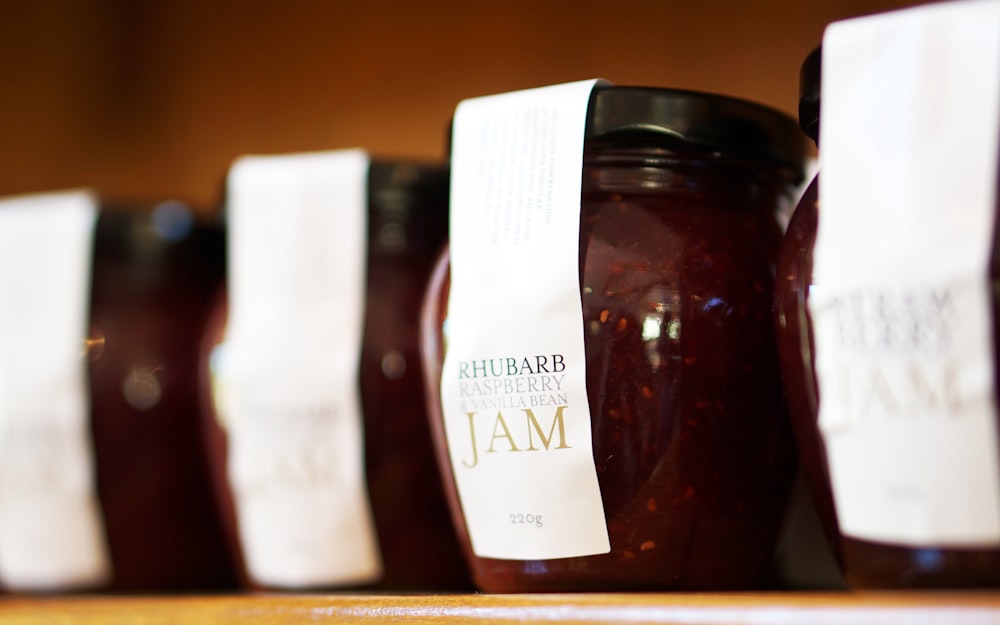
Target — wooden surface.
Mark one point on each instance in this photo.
(690, 609)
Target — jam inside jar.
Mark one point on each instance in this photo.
(154, 274)
(408, 222)
(678, 240)
(795, 338)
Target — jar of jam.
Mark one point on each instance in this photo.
(691, 444)
(155, 274)
(794, 333)
(905, 560)
(407, 224)
(102, 480)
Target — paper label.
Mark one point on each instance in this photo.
(51, 531)
(289, 368)
(902, 302)
(513, 385)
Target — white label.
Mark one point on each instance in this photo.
(902, 302)
(289, 368)
(51, 532)
(513, 385)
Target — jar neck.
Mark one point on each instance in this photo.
(722, 180)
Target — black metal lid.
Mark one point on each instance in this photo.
(809, 84)
(407, 206)
(148, 232)
(403, 185)
(696, 120)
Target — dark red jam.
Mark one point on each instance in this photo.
(408, 222)
(691, 442)
(866, 564)
(406, 228)
(154, 275)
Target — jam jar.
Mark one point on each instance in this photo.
(794, 332)
(407, 224)
(155, 273)
(865, 563)
(691, 443)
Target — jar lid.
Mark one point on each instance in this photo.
(809, 83)
(404, 186)
(696, 120)
(407, 206)
(151, 232)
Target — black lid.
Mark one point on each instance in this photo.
(696, 120)
(148, 232)
(141, 249)
(407, 206)
(809, 83)
(404, 185)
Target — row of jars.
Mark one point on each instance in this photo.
(371, 401)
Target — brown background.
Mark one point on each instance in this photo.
(145, 100)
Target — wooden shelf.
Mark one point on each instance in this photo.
(690, 609)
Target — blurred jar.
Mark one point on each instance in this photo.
(155, 272)
(407, 224)
(678, 241)
(866, 563)
(795, 340)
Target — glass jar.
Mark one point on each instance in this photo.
(691, 443)
(795, 341)
(154, 275)
(866, 564)
(407, 223)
